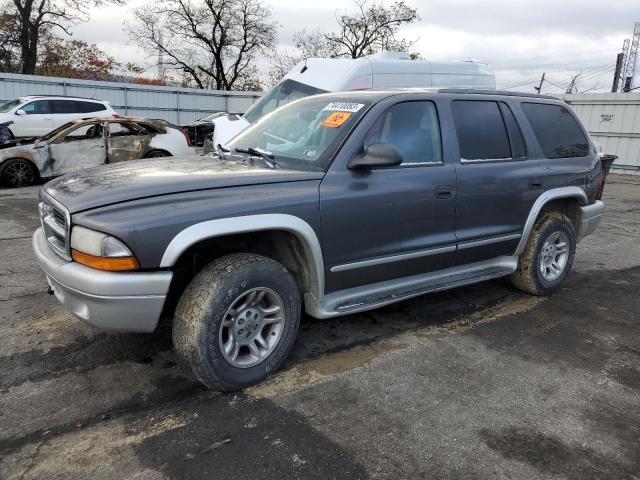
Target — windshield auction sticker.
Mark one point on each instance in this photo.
(335, 119)
(344, 106)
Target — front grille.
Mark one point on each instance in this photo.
(55, 221)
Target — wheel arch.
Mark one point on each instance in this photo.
(554, 197)
(306, 244)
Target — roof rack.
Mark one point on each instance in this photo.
(507, 93)
(61, 96)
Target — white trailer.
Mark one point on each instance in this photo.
(380, 71)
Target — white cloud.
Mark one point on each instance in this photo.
(519, 38)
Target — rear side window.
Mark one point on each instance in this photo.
(64, 106)
(411, 127)
(88, 107)
(482, 134)
(557, 131)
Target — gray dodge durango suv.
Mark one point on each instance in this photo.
(334, 204)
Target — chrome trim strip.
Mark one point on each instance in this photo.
(549, 195)
(393, 258)
(253, 223)
(488, 241)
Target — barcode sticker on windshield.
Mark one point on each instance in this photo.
(344, 106)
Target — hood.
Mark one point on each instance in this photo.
(133, 180)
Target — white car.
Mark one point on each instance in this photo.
(88, 143)
(34, 116)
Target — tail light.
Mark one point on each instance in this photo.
(186, 135)
(116, 115)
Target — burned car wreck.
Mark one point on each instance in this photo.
(87, 143)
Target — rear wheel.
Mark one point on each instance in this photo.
(19, 173)
(157, 154)
(237, 320)
(548, 256)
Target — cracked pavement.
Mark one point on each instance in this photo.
(479, 382)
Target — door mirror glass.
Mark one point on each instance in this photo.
(20, 112)
(377, 155)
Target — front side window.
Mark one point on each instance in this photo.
(411, 127)
(558, 133)
(85, 131)
(39, 107)
(481, 131)
(303, 134)
(285, 92)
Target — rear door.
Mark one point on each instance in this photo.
(65, 111)
(37, 119)
(497, 181)
(395, 222)
(126, 141)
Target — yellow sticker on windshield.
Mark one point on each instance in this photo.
(335, 119)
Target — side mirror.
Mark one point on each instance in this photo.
(20, 112)
(377, 155)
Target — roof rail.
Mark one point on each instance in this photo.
(496, 92)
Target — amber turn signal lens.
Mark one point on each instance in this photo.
(115, 264)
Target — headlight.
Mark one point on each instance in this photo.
(101, 251)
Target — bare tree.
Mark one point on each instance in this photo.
(215, 43)
(372, 28)
(34, 17)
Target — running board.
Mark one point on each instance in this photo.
(376, 295)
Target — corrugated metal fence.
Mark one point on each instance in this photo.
(613, 120)
(177, 105)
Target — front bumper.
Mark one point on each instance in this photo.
(123, 301)
(590, 218)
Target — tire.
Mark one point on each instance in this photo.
(535, 273)
(201, 331)
(18, 173)
(157, 154)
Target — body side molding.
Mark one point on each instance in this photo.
(553, 194)
(253, 223)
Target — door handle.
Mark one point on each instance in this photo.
(442, 192)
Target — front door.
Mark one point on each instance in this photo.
(395, 222)
(36, 121)
(82, 147)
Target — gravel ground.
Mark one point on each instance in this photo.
(479, 382)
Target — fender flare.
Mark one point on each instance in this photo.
(548, 196)
(254, 223)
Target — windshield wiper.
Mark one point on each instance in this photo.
(259, 152)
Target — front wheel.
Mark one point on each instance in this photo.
(237, 321)
(548, 256)
(19, 173)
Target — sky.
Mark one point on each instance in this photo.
(520, 39)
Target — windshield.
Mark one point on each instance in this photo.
(284, 92)
(56, 131)
(5, 107)
(303, 135)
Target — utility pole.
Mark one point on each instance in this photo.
(539, 87)
(616, 75)
(573, 83)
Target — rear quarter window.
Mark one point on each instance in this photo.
(557, 131)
